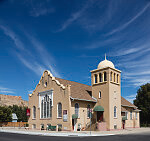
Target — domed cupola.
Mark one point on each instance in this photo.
(106, 63)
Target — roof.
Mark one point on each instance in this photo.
(84, 92)
(106, 63)
(78, 90)
(125, 102)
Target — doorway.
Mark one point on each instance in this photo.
(99, 116)
(74, 122)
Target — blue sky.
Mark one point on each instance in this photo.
(70, 38)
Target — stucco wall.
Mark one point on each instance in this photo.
(83, 119)
(59, 95)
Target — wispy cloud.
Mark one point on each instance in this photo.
(27, 57)
(130, 21)
(12, 36)
(76, 15)
(87, 56)
(46, 57)
(130, 98)
(40, 8)
(4, 90)
(102, 43)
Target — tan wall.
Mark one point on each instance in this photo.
(107, 100)
(83, 119)
(115, 100)
(59, 95)
(104, 100)
(132, 123)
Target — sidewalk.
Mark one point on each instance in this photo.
(76, 134)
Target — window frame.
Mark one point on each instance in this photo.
(59, 110)
(131, 115)
(115, 111)
(88, 110)
(77, 109)
(100, 95)
(34, 112)
(95, 79)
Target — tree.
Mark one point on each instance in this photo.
(142, 101)
(5, 114)
(20, 112)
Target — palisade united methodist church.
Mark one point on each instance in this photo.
(67, 104)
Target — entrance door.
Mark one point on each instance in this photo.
(123, 124)
(99, 116)
(74, 127)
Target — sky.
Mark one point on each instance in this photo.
(70, 38)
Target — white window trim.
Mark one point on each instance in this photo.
(41, 96)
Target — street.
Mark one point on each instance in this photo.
(21, 137)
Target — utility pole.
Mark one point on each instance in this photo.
(90, 119)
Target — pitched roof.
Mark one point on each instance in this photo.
(78, 90)
(84, 92)
(125, 102)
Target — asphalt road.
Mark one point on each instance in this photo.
(22, 137)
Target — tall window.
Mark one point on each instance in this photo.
(126, 115)
(99, 94)
(114, 77)
(88, 111)
(100, 77)
(95, 78)
(111, 74)
(46, 107)
(130, 115)
(117, 78)
(105, 76)
(136, 115)
(59, 110)
(115, 112)
(77, 109)
(34, 112)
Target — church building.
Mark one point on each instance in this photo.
(70, 105)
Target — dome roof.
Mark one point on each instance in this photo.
(106, 63)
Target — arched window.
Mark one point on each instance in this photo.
(88, 110)
(114, 77)
(34, 112)
(100, 77)
(111, 75)
(77, 109)
(115, 111)
(95, 78)
(117, 78)
(105, 76)
(59, 110)
(45, 84)
(46, 107)
(99, 94)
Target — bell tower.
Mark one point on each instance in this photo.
(106, 89)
